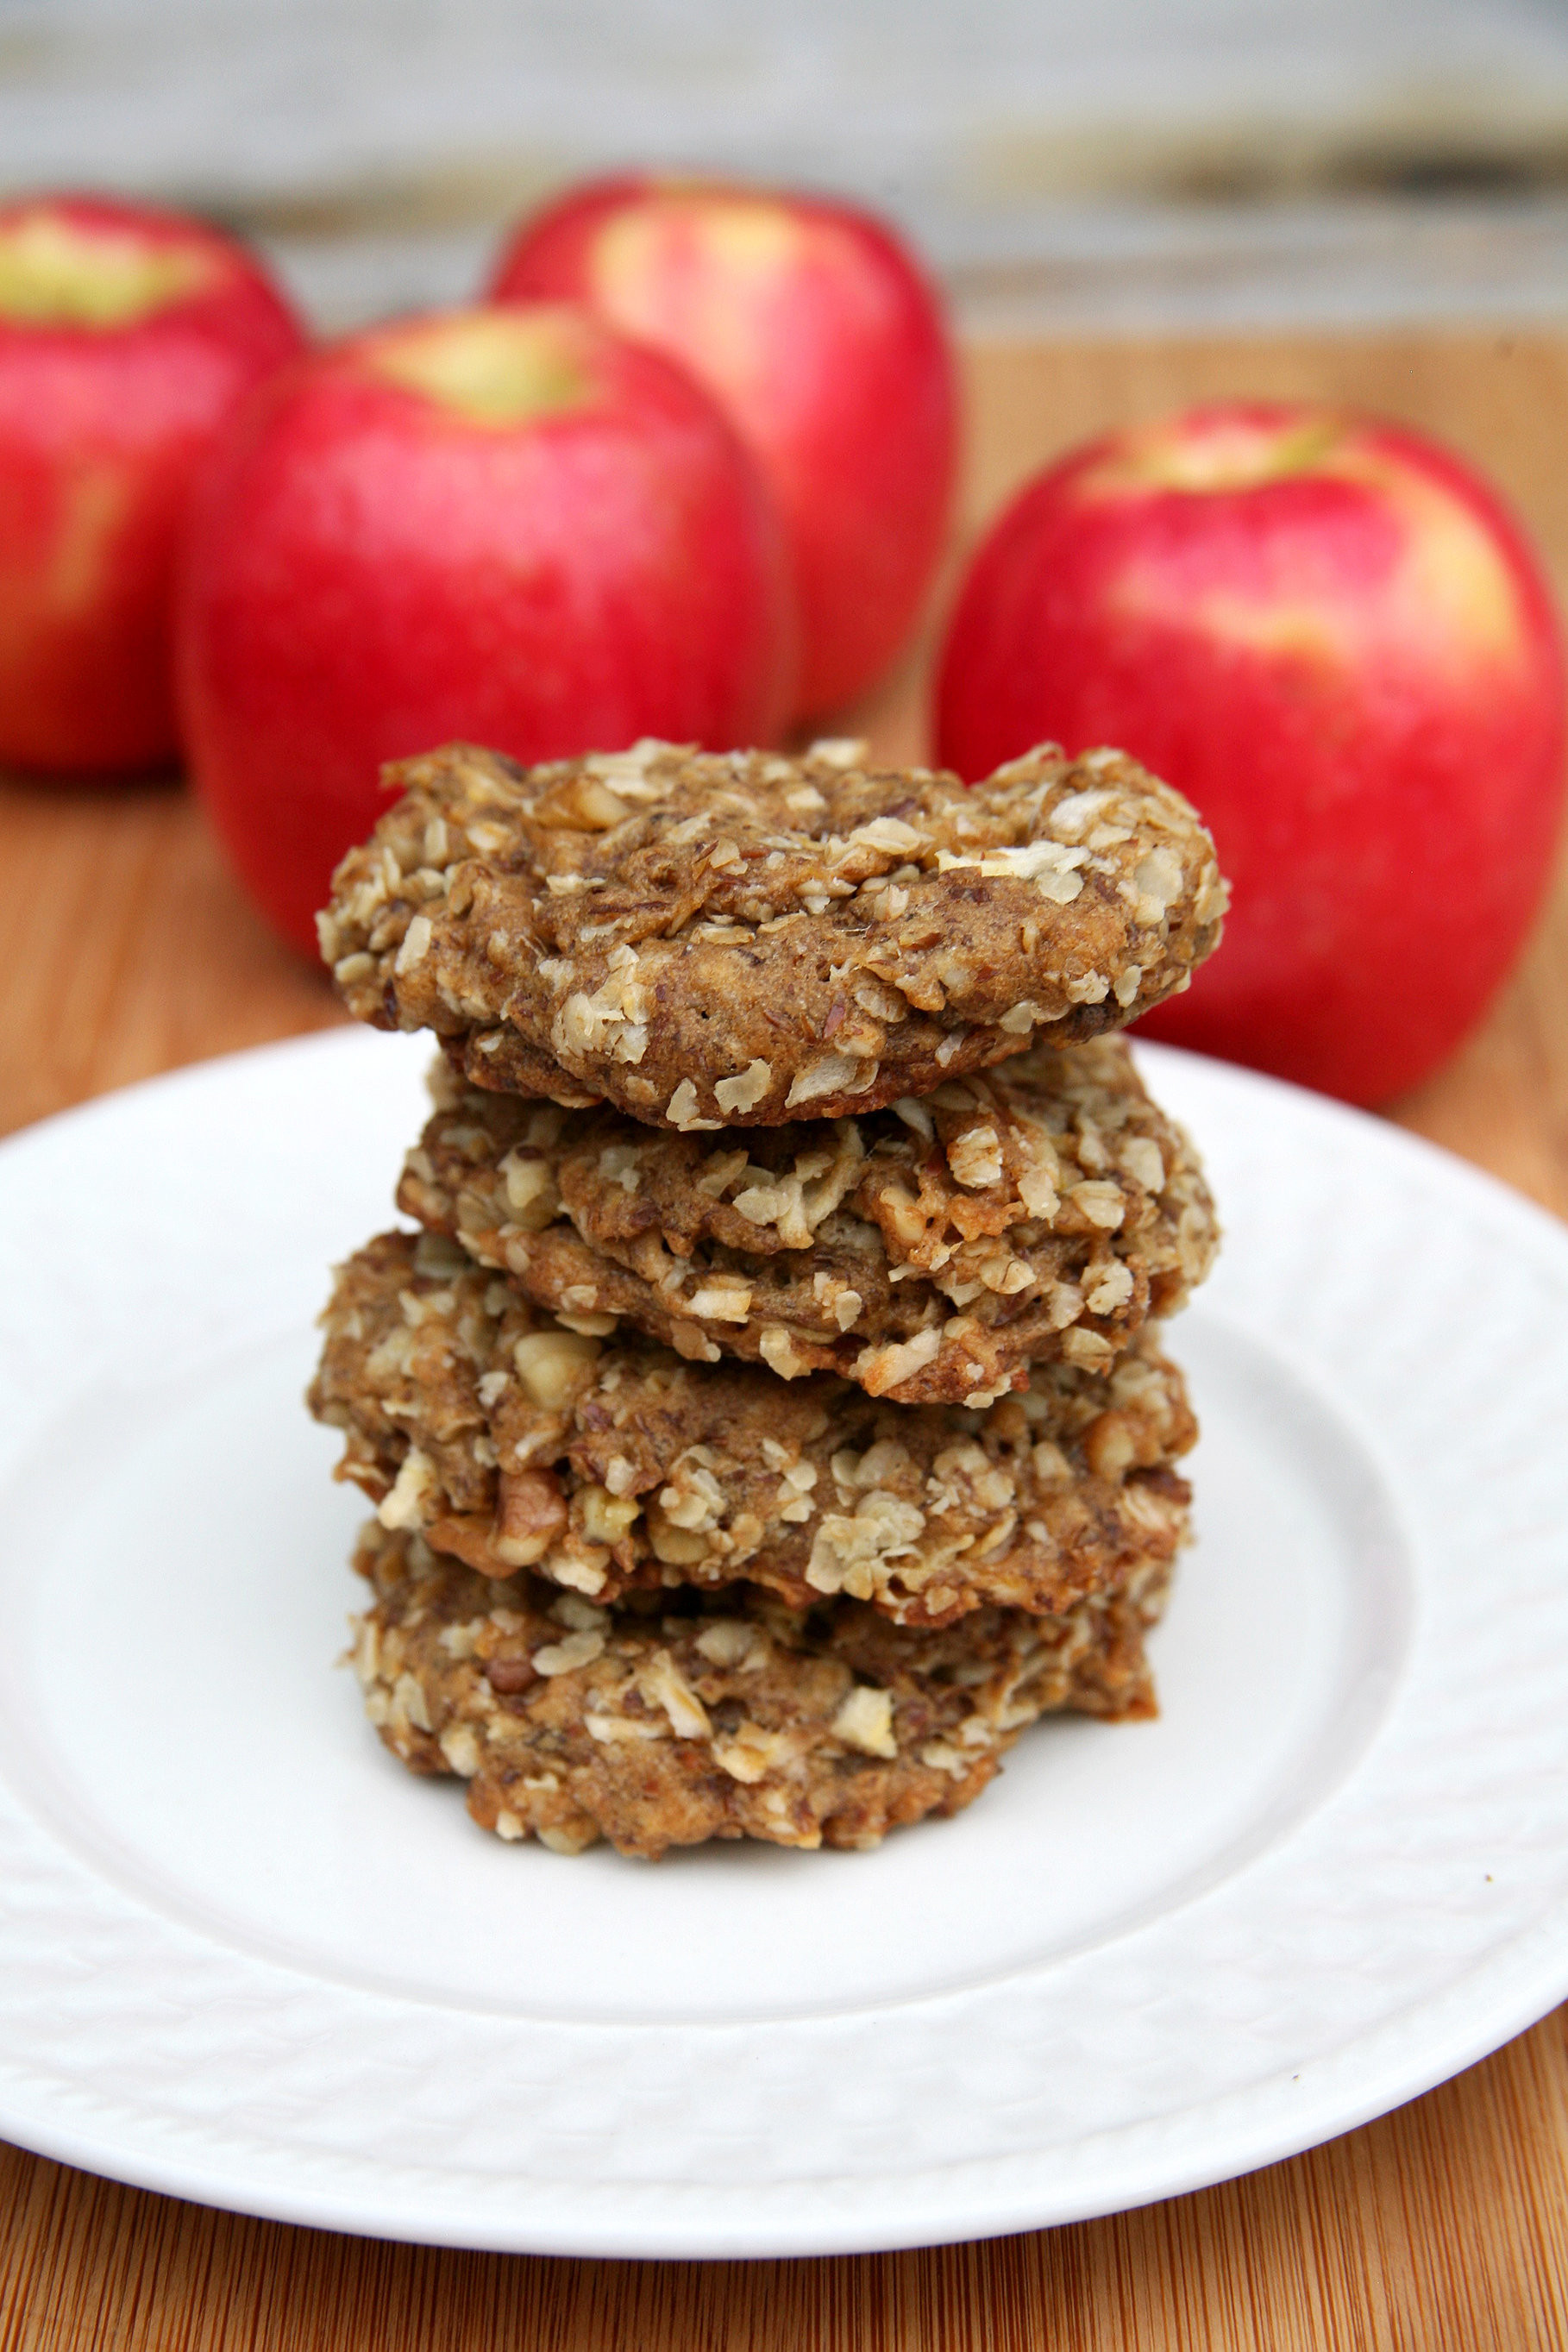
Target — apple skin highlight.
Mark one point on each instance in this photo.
(813, 328)
(128, 338)
(1330, 636)
(512, 527)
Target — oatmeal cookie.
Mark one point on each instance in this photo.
(475, 1419)
(674, 1718)
(932, 1252)
(730, 941)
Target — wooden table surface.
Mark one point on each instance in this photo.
(126, 950)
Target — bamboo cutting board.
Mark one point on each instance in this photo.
(125, 950)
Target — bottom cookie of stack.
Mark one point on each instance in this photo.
(674, 1716)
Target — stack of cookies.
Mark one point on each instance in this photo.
(768, 1417)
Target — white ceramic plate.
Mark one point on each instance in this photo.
(245, 1958)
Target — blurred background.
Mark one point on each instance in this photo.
(1130, 206)
(1139, 164)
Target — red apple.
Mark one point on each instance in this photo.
(815, 328)
(1330, 636)
(127, 338)
(506, 524)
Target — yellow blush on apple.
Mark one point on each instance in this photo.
(493, 368)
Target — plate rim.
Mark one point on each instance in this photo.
(817, 2235)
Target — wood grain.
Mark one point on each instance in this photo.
(126, 950)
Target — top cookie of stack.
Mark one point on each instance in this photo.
(708, 941)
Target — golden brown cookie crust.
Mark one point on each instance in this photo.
(473, 1418)
(716, 941)
(676, 1719)
(932, 1252)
